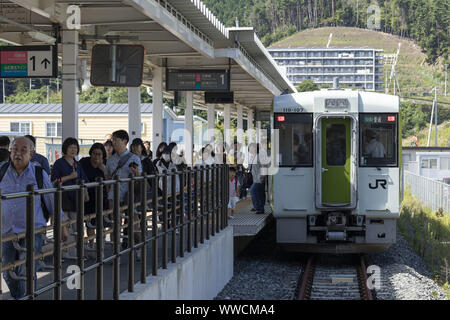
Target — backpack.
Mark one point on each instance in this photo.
(40, 182)
(247, 180)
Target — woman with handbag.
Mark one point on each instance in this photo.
(67, 170)
(94, 168)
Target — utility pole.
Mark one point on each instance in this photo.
(435, 119)
(329, 40)
(445, 85)
(357, 12)
(433, 112)
(3, 90)
(47, 94)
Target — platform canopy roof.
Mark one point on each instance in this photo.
(181, 34)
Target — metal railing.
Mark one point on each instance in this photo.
(186, 218)
(433, 194)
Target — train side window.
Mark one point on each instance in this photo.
(295, 135)
(378, 140)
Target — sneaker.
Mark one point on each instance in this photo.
(230, 217)
(259, 212)
(252, 209)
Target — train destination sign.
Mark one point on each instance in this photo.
(28, 62)
(197, 80)
(336, 103)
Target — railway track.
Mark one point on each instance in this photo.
(334, 278)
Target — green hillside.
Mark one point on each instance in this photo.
(425, 21)
(414, 74)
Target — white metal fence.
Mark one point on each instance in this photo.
(431, 193)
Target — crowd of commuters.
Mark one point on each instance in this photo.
(21, 165)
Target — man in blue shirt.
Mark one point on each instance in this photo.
(131, 165)
(122, 163)
(21, 173)
(39, 158)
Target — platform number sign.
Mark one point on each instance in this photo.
(198, 80)
(28, 62)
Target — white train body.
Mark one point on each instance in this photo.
(337, 188)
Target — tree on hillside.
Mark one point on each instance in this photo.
(426, 21)
(413, 118)
(307, 85)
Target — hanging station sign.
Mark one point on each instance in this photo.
(28, 62)
(197, 80)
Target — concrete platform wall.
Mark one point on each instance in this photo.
(200, 275)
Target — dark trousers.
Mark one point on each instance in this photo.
(258, 194)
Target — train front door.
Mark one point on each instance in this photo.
(336, 148)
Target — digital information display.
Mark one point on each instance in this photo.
(380, 118)
(118, 65)
(197, 80)
(219, 97)
(28, 62)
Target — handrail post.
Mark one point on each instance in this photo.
(143, 228)
(99, 236)
(80, 236)
(30, 269)
(117, 223)
(213, 200)
(208, 199)
(173, 215)
(1, 244)
(57, 260)
(165, 220)
(196, 173)
(189, 209)
(227, 194)
(155, 250)
(131, 233)
(182, 183)
(202, 204)
(218, 199)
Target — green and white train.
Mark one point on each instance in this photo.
(337, 187)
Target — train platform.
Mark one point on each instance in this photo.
(246, 222)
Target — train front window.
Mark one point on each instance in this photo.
(295, 135)
(378, 140)
(335, 144)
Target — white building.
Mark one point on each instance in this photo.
(360, 68)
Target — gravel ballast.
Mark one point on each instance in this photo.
(265, 272)
(404, 275)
